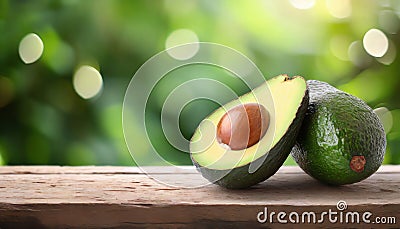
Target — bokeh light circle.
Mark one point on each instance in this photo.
(30, 48)
(302, 4)
(339, 8)
(386, 118)
(375, 43)
(87, 82)
(179, 37)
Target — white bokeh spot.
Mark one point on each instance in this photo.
(87, 82)
(339, 8)
(181, 37)
(302, 4)
(375, 43)
(30, 48)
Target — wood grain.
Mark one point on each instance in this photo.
(115, 197)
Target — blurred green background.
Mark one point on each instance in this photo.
(44, 119)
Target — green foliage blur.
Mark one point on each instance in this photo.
(44, 121)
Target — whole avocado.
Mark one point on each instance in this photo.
(342, 140)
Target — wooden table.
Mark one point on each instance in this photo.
(115, 197)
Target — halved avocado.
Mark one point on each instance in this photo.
(285, 99)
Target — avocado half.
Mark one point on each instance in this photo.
(286, 99)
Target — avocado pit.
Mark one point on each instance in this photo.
(243, 126)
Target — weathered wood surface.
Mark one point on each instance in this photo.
(115, 197)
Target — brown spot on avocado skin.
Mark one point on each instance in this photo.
(357, 163)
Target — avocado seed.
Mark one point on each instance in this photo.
(243, 126)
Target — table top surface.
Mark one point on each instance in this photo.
(112, 196)
(183, 185)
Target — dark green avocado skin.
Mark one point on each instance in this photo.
(338, 126)
(240, 178)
